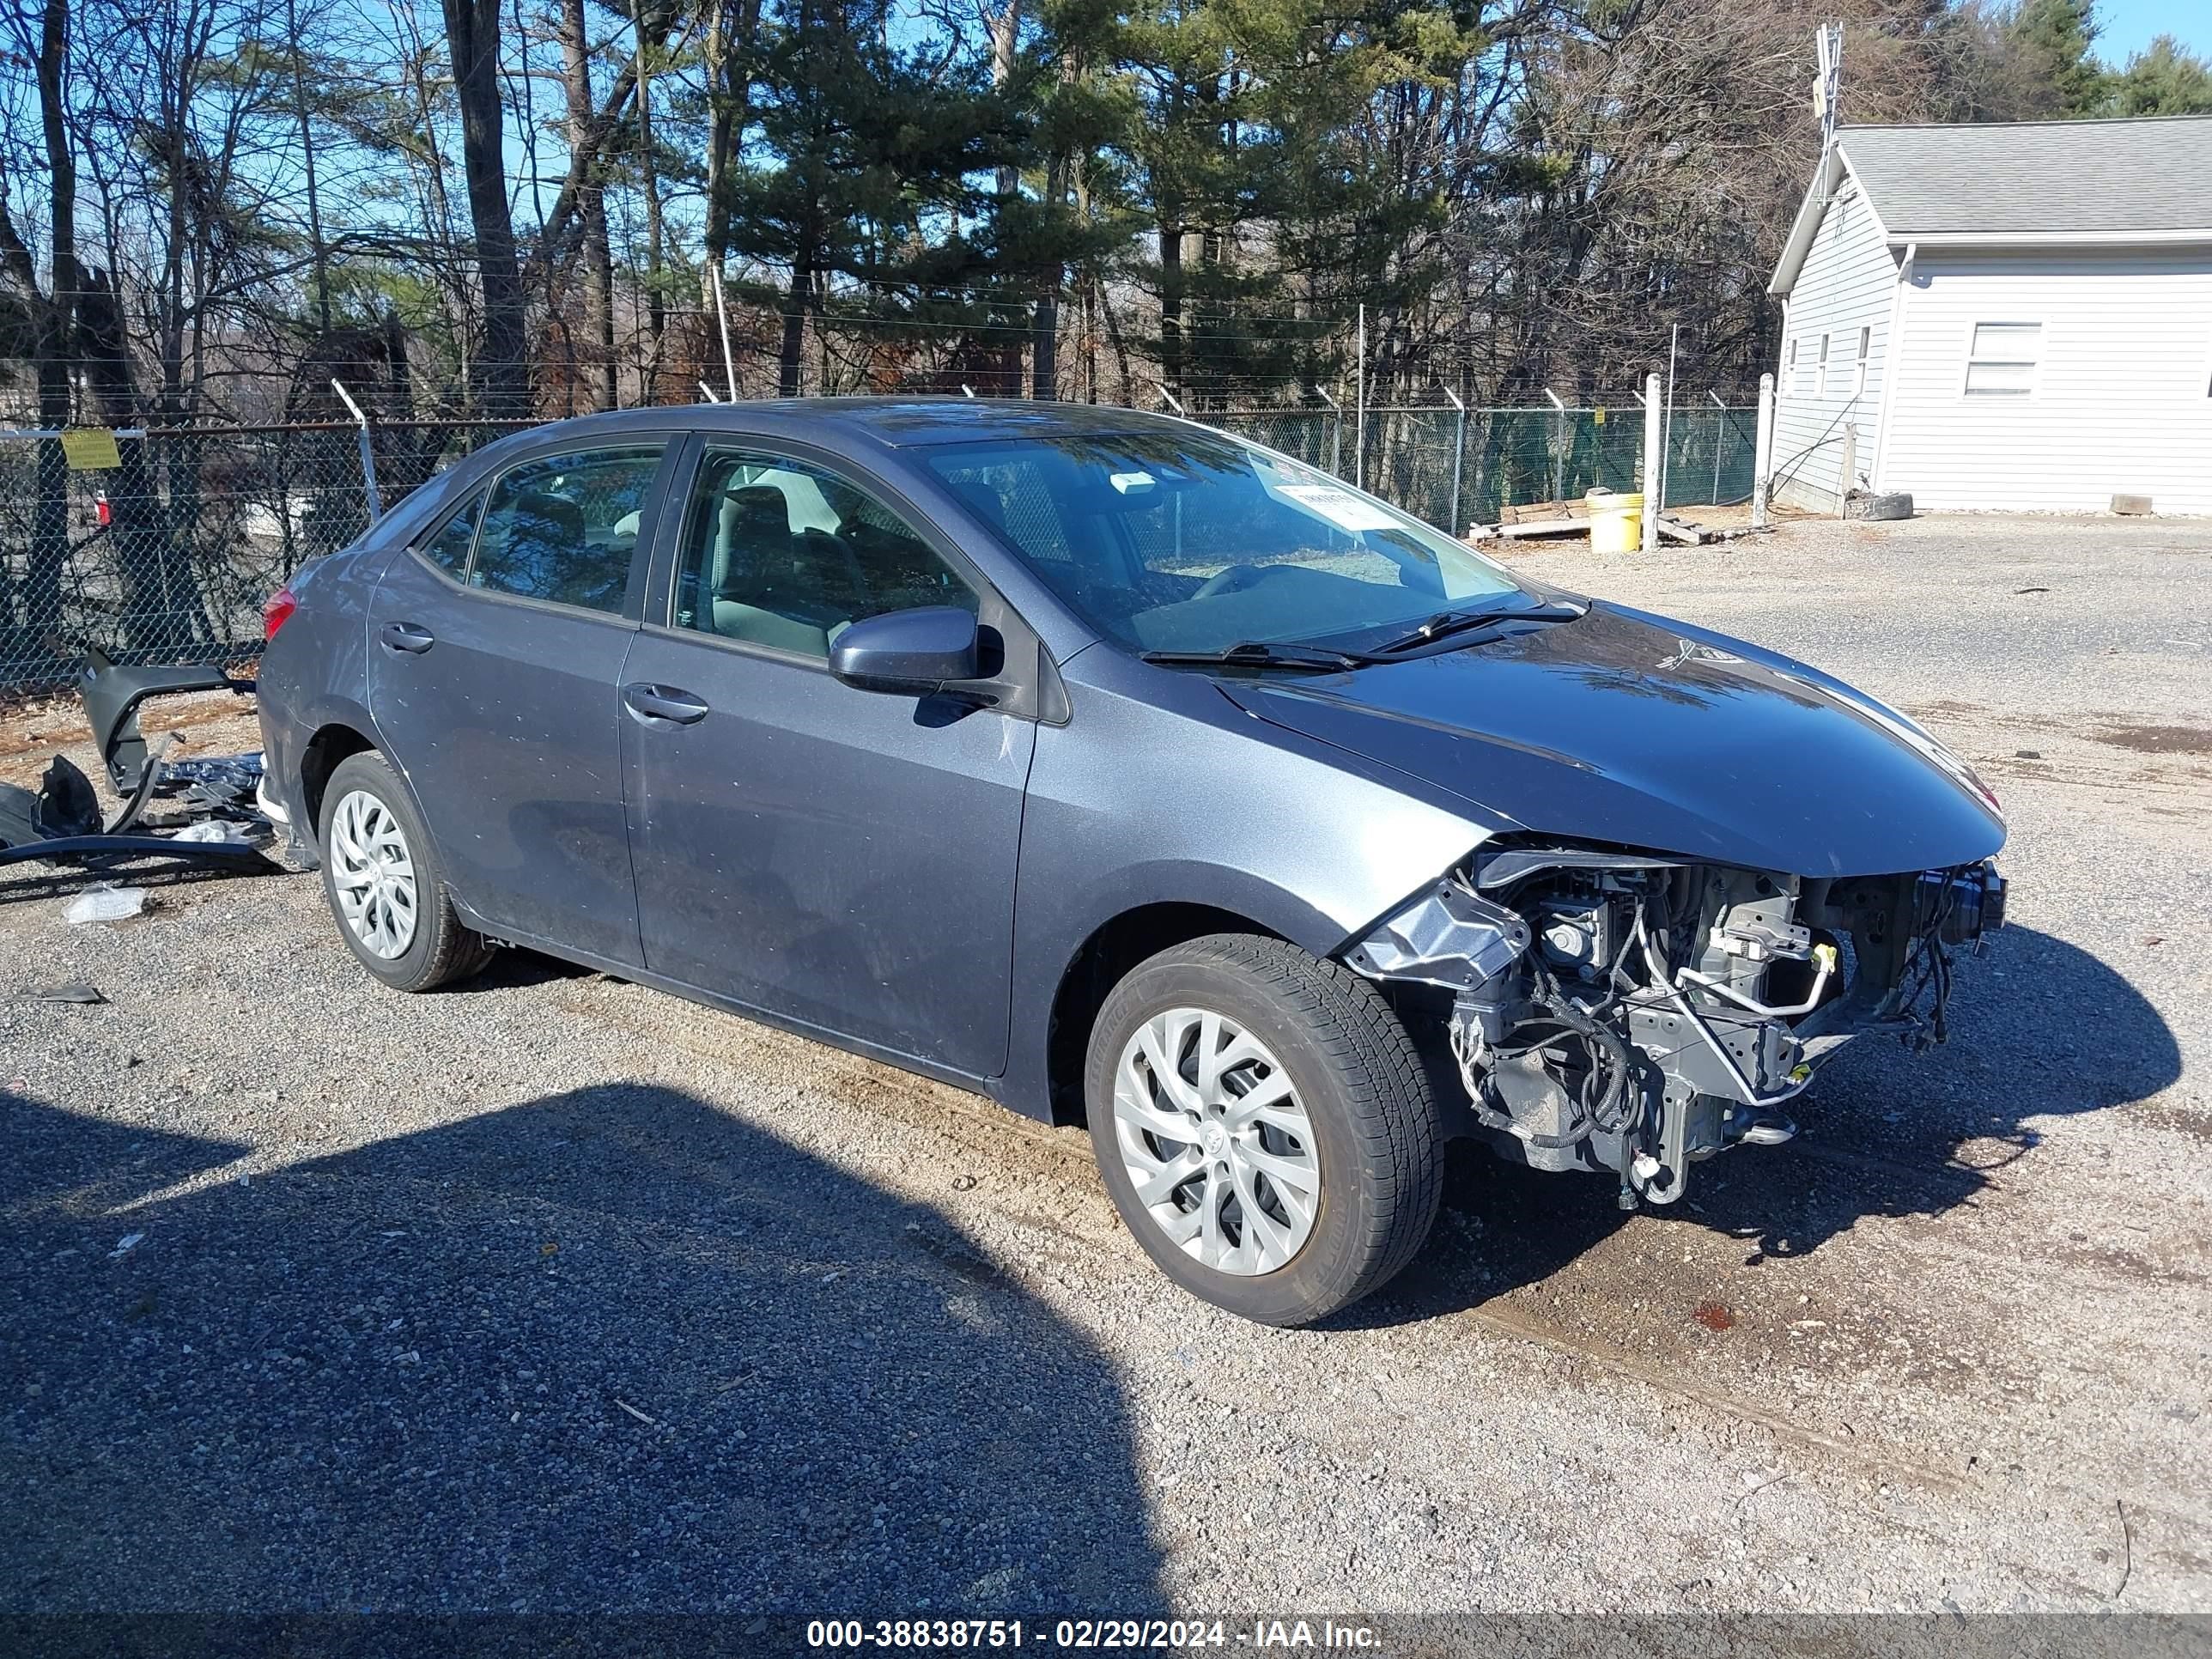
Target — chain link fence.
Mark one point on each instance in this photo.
(1454, 468)
(168, 554)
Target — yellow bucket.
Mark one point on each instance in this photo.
(1616, 521)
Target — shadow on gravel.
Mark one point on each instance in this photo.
(31, 881)
(606, 1350)
(2038, 1028)
(514, 967)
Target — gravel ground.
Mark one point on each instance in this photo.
(555, 1293)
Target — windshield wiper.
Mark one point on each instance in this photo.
(1256, 654)
(1445, 623)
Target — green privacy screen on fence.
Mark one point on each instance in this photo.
(167, 556)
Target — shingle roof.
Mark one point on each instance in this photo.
(2037, 177)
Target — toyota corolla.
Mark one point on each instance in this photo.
(1133, 775)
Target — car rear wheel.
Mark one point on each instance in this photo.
(1264, 1126)
(380, 874)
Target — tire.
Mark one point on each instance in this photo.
(386, 891)
(1350, 1073)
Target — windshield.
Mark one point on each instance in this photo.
(1185, 541)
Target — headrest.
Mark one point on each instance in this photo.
(761, 501)
(547, 516)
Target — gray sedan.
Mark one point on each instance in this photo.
(1131, 774)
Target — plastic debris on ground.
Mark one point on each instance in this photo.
(214, 779)
(203, 813)
(216, 829)
(74, 992)
(105, 903)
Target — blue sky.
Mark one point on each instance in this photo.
(2130, 24)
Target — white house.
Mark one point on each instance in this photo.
(2012, 316)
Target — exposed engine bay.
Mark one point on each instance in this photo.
(1620, 1012)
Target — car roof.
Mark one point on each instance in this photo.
(893, 423)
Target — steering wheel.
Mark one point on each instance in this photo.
(1236, 578)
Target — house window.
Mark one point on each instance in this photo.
(1789, 386)
(1820, 381)
(2002, 360)
(1859, 363)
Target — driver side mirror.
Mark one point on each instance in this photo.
(914, 652)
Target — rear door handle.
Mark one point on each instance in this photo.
(407, 638)
(648, 703)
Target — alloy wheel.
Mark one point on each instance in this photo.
(372, 873)
(1220, 1148)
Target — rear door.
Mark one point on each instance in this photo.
(843, 858)
(495, 652)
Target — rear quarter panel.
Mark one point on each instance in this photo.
(315, 672)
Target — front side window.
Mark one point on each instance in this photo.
(1186, 541)
(2003, 358)
(777, 552)
(1823, 370)
(564, 527)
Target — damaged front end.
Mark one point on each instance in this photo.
(201, 812)
(1616, 1011)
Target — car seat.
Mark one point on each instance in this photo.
(771, 586)
(545, 553)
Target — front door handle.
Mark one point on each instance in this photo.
(648, 703)
(407, 638)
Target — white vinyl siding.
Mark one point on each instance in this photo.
(2051, 381)
(1844, 286)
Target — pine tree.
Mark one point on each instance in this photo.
(1203, 162)
(2054, 38)
(2164, 80)
(853, 149)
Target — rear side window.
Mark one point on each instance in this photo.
(449, 549)
(564, 527)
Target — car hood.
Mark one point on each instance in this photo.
(1631, 729)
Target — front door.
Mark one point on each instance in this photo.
(495, 658)
(843, 858)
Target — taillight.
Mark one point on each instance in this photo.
(275, 610)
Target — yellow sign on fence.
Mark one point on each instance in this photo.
(90, 449)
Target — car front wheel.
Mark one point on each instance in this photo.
(380, 874)
(1264, 1125)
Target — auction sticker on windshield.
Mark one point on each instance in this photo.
(1340, 507)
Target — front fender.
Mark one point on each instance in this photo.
(1186, 800)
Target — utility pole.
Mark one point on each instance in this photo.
(1720, 440)
(1762, 464)
(1458, 461)
(722, 322)
(1653, 440)
(1359, 404)
(1827, 81)
(1558, 445)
